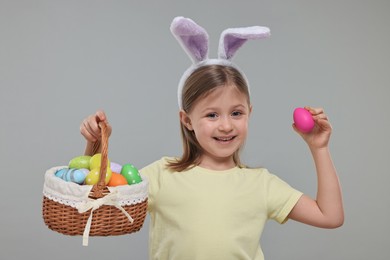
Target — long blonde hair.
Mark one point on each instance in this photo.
(198, 85)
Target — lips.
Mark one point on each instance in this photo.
(224, 139)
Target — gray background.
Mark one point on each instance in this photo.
(62, 60)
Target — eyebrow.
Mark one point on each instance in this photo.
(207, 109)
(239, 105)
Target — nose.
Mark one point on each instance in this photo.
(225, 124)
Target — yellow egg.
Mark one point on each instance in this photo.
(95, 161)
(93, 176)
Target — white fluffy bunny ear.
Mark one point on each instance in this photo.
(233, 38)
(193, 38)
(195, 41)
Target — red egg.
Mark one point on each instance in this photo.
(117, 180)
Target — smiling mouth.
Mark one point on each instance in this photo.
(224, 139)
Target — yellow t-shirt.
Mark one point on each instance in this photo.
(200, 214)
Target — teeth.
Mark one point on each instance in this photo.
(224, 139)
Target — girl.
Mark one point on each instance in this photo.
(207, 204)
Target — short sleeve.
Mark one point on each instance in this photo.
(153, 172)
(281, 198)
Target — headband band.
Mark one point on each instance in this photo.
(194, 40)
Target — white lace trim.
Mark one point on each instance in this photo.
(72, 194)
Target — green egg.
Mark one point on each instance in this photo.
(80, 162)
(131, 174)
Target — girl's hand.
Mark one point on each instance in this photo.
(326, 210)
(90, 129)
(320, 135)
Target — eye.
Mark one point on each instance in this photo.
(236, 113)
(212, 115)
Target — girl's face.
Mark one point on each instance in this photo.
(220, 124)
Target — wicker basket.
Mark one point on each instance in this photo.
(97, 210)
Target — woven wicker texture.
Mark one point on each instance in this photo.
(107, 220)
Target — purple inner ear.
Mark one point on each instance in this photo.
(233, 38)
(232, 44)
(192, 37)
(196, 46)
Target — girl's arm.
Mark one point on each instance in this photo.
(90, 129)
(326, 210)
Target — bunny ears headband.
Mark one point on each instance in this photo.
(194, 40)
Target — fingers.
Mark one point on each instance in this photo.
(90, 129)
(100, 116)
(319, 116)
(314, 110)
(296, 129)
(317, 113)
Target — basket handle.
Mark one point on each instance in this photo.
(99, 190)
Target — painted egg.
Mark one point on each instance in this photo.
(80, 162)
(131, 174)
(94, 176)
(95, 161)
(115, 167)
(117, 179)
(303, 120)
(85, 171)
(61, 172)
(72, 175)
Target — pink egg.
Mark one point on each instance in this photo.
(303, 120)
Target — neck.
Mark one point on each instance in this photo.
(217, 164)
